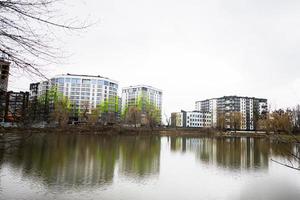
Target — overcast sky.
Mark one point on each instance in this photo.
(191, 49)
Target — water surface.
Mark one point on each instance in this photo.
(147, 167)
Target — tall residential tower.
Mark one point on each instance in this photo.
(146, 94)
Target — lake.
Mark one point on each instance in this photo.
(147, 167)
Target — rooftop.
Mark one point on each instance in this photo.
(141, 86)
(4, 59)
(233, 96)
(87, 76)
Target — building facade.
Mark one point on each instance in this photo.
(4, 72)
(210, 106)
(38, 89)
(177, 119)
(15, 106)
(143, 93)
(246, 110)
(191, 119)
(84, 92)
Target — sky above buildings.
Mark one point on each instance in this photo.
(191, 49)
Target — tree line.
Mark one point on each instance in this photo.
(277, 121)
(52, 107)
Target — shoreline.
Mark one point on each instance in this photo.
(131, 131)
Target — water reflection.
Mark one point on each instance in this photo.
(85, 160)
(92, 161)
(232, 153)
(139, 156)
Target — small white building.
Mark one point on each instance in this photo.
(192, 119)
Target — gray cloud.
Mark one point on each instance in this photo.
(192, 49)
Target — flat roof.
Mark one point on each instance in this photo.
(234, 96)
(85, 76)
(140, 86)
(3, 61)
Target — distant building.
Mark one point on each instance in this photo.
(85, 92)
(4, 72)
(177, 119)
(249, 108)
(39, 110)
(16, 104)
(192, 119)
(209, 105)
(146, 94)
(38, 89)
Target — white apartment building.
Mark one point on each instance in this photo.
(132, 94)
(192, 119)
(82, 90)
(209, 105)
(198, 119)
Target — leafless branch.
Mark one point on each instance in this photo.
(289, 166)
(24, 33)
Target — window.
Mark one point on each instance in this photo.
(100, 82)
(75, 80)
(86, 81)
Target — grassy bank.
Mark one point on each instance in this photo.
(119, 130)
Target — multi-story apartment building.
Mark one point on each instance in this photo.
(4, 72)
(209, 105)
(193, 119)
(38, 89)
(248, 108)
(83, 91)
(146, 94)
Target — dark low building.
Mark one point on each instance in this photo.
(15, 105)
(4, 72)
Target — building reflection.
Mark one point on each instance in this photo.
(232, 153)
(94, 161)
(86, 161)
(139, 156)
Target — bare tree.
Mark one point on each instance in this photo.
(221, 125)
(133, 116)
(168, 120)
(93, 118)
(61, 112)
(26, 32)
(85, 108)
(152, 116)
(235, 120)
